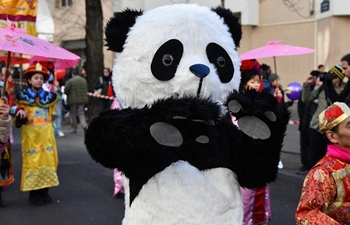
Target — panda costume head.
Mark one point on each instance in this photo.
(183, 161)
(174, 51)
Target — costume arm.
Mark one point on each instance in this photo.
(318, 192)
(117, 138)
(16, 119)
(255, 148)
(153, 137)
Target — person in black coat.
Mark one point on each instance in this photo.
(305, 112)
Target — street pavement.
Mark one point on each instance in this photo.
(84, 195)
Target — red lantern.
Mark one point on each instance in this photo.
(59, 74)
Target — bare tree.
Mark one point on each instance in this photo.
(293, 5)
(94, 48)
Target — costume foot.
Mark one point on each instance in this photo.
(35, 198)
(44, 193)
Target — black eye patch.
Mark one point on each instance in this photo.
(166, 60)
(222, 61)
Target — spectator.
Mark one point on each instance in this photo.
(320, 93)
(321, 68)
(76, 90)
(52, 85)
(325, 197)
(344, 96)
(305, 113)
(265, 71)
(6, 176)
(255, 201)
(104, 83)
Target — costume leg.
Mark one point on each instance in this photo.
(35, 198)
(2, 202)
(44, 193)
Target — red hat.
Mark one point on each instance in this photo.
(37, 68)
(332, 116)
(250, 64)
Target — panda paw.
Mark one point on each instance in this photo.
(180, 119)
(257, 114)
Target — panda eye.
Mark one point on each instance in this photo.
(167, 60)
(221, 61)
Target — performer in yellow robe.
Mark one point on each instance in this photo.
(36, 111)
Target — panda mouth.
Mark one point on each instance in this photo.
(199, 87)
(198, 94)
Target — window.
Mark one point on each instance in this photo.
(63, 3)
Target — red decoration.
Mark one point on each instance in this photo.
(332, 113)
(261, 87)
(59, 74)
(110, 92)
(247, 65)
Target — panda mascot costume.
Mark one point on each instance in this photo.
(183, 161)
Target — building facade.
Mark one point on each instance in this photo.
(319, 24)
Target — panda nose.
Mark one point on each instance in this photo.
(200, 70)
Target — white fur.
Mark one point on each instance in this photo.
(195, 27)
(181, 194)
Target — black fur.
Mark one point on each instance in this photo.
(121, 139)
(231, 21)
(118, 27)
(261, 157)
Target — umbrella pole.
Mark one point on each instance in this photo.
(274, 63)
(7, 71)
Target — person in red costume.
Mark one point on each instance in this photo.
(325, 197)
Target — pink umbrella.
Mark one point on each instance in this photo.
(13, 39)
(59, 63)
(273, 49)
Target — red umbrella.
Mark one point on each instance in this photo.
(14, 59)
(13, 39)
(59, 63)
(273, 49)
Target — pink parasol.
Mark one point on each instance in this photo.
(59, 63)
(14, 39)
(273, 49)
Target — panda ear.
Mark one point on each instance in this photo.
(231, 21)
(118, 27)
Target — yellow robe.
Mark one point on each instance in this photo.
(39, 152)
